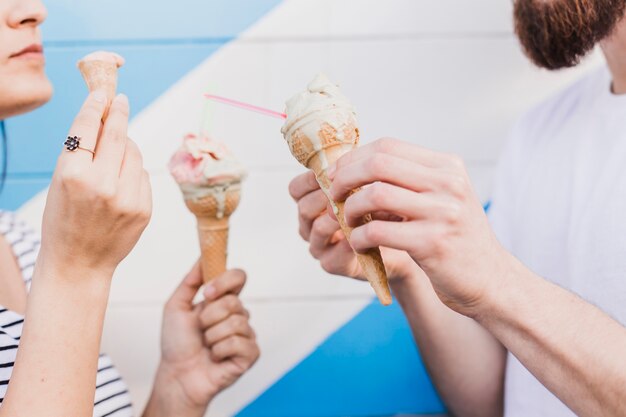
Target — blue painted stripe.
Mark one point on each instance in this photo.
(370, 367)
(161, 43)
(149, 19)
(18, 191)
(136, 42)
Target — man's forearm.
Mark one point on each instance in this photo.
(572, 347)
(465, 362)
(57, 362)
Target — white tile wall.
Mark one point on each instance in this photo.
(303, 19)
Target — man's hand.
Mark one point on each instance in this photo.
(205, 347)
(327, 243)
(443, 226)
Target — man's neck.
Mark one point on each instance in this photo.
(614, 50)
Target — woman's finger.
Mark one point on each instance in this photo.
(182, 298)
(231, 282)
(217, 311)
(86, 127)
(235, 346)
(112, 144)
(131, 171)
(235, 325)
(145, 194)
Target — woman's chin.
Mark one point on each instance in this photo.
(15, 101)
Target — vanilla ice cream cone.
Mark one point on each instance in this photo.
(213, 209)
(99, 70)
(319, 131)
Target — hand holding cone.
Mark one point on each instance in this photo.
(321, 128)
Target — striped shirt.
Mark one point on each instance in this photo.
(112, 398)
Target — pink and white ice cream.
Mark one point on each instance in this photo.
(202, 165)
(210, 179)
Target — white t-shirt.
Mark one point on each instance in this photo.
(559, 205)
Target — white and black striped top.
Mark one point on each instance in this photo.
(112, 398)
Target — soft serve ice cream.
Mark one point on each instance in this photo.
(320, 108)
(321, 127)
(204, 166)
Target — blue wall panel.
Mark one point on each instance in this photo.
(161, 42)
(336, 379)
(80, 20)
(19, 190)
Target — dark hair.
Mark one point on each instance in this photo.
(5, 155)
(560, 34)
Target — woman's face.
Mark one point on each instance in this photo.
(23, 82)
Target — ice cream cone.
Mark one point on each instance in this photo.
(318, 154)
(99, 70)
(213, 207)
(210, 179)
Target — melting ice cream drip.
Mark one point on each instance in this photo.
(201, 163)
(321, 104)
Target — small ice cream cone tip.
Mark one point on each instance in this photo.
(99, 69)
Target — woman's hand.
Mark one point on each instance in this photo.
(442, 226)
(98, 205)
(96, 210)
(205, 347)
(328, 244)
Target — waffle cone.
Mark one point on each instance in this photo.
(100, 75)
(213, 213)
(318, 161)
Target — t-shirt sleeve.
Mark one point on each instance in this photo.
(502, 207)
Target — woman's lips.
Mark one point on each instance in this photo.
(32, 52)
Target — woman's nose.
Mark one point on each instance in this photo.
(27, 13)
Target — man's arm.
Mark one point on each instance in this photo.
(572, 347)
(465, 362)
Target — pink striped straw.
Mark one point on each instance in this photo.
(246, 106)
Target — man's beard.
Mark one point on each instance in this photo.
(557, 34)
